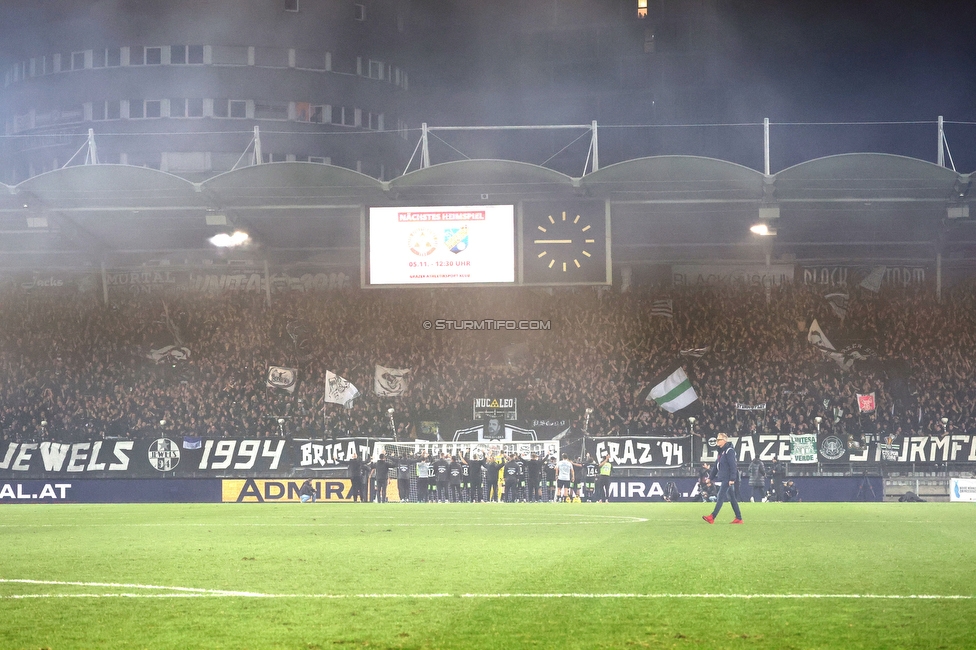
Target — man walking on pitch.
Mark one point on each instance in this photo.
(723, 475)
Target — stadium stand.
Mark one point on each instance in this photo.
(75, 368)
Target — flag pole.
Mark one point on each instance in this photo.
(586, 425)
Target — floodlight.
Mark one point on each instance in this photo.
(223, 240)
(762, 229)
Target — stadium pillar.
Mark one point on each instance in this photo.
(938, 277)
(766, 144)
(257, 146)
(104, 284)
(940, 157)
(595, 145)
(267, 284)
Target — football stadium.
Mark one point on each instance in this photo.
(288, 372)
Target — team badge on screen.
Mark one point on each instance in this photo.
(422, 242)
(456, 239)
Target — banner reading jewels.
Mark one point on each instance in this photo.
(180, 457)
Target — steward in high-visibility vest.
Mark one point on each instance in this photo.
(603, 480)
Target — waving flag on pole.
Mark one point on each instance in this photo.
(674, 392)
(339, 390)
(873, 280)
(283, 378)
(663, 308)
(838, 303)
(390, 382)
(866, 403)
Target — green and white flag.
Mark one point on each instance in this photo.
(803, 448)
(674, 393)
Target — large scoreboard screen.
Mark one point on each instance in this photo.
(441, 245)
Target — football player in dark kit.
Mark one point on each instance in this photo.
(442, 470)
(403, 469)
(512, 478)
(475, 470)
(356, 478)
(369, 485)
(533, 472)
(523, 477)
(465, 479)
(550, 472)
(590, 472)
(454, 481)
(381, 477)
(724, 474)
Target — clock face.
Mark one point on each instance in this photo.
(565, 245)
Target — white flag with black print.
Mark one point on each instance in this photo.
(391, 382)
(283, 378)
(169, 353)
(873, 280)
(339, 390)
(838, 303)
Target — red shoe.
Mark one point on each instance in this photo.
(737, 521)
(709, 518)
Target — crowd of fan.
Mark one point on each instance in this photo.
(73, 367)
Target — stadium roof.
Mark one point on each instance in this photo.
(870, 207)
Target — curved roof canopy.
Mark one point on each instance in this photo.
(480, 181)
(866, 176)
(675, 179)
(848, 205)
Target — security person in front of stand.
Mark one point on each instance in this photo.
(603, 480)
(724, 474)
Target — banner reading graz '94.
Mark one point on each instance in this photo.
(180, 457)
(641, 451)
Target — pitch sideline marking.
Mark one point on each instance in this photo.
(584, 520)
(195, 592)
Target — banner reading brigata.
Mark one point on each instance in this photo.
(442, 245)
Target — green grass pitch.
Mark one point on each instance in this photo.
(309, 576)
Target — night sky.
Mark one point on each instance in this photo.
(797, 61)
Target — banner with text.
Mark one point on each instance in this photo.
(644, 452)
(831, 448)
(694, 275)
(177, 457)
